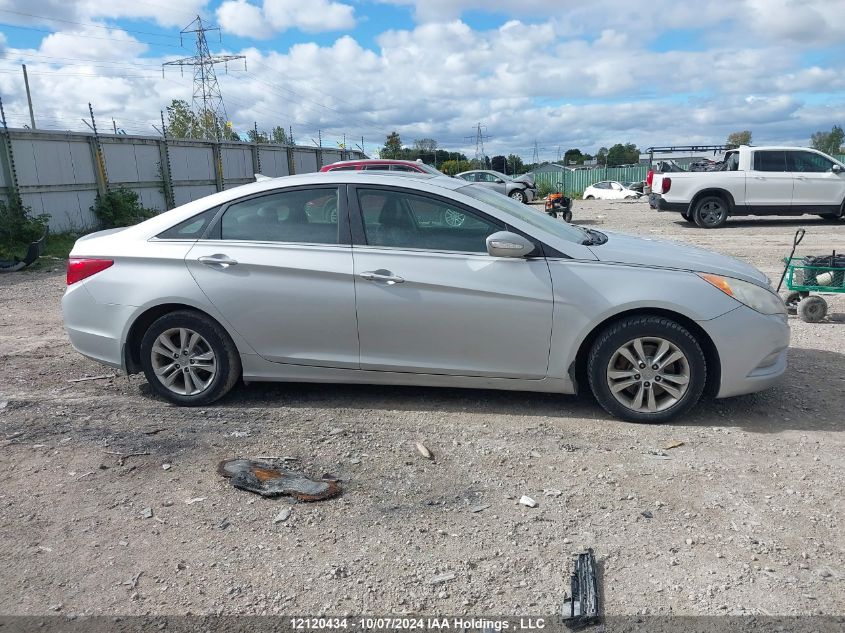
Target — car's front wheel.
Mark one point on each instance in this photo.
(646, 369)
(519, 196)
(189, 359)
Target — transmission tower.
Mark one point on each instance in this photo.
(535, 158)
(479, 137)
(207, 101)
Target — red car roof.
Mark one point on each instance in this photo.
(359, 164)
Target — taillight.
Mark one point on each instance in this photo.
(649, 178)
(79, 268)
(667, 185)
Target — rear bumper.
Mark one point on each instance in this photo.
(656, 201)
(752, 348)
(95, 329)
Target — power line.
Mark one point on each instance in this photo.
(92, 37)
(87, 24)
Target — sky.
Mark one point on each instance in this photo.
(555, 74)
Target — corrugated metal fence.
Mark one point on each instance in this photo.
(57, 174)
(576, 181)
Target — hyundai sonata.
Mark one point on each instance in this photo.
(357, 277)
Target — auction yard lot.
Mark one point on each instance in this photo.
(743, 517)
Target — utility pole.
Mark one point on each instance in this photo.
(28, 96)
(114, 126)
(207, 101)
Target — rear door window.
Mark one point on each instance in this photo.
(302, 216)
(770, 160)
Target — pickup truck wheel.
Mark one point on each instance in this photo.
(711, 212)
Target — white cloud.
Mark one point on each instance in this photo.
(583, 85)
(56, 13)
(245, 19)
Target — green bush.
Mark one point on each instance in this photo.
(18, 228)
(120, 207)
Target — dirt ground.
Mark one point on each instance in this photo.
(744, 517)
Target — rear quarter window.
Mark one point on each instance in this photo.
(190, 229)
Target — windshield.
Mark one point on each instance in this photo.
(569, 232)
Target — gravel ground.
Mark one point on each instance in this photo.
(744, 517)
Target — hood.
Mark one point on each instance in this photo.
(527, 178)
(646, 251)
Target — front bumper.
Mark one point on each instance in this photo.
(752, 348)
(95, 329)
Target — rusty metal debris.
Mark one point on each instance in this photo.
(269, 480)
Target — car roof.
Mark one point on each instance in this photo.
(417, 180)
(370, 161)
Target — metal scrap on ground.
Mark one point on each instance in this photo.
(582, 606)
(269, 480)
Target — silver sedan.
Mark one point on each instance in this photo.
(521, 189)
(359, 277)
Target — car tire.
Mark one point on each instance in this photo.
(214, 363)
(645, 398)
(812, 309)
(519, 196)
(711, 212)
(590, 198)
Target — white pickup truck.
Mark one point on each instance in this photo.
(755, 181)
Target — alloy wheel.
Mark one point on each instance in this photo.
(648, 374)
(711, 212)
(183, 361)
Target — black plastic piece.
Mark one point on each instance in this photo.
(581, 608)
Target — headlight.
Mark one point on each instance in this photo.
(757, 298)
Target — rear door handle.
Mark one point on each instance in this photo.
(383, 276)
(218, 260)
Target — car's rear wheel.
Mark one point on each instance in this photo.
(711, 212)
(590, 198)
(189, 359)
(646, 369)
(519, 196)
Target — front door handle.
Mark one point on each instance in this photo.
(383, 276)
(218, 260)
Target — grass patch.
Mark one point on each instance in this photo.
(60, 244)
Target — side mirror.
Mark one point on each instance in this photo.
(837, 169)
(507, 244)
